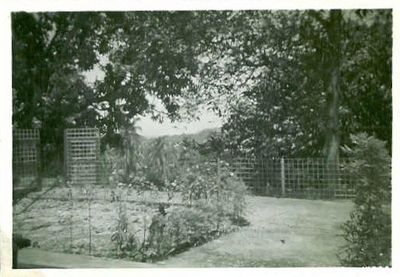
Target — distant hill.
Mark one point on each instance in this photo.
(199, 137)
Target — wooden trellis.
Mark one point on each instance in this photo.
(81, 155)
(25, 158)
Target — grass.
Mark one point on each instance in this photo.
(282, 232)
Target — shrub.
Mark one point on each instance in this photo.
(214, 183)
(125, 241)
(214, 199)
(185, 227)
(368, 232)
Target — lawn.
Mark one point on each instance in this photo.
(282, 232)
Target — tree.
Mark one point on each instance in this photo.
(276, 101)
(298, 79)
(330, 67)
(141, 53)
(367, 71)
(356, 44)
(152, 53)
(131, 147)
(49, 53)
(162, 157)
(288, 81)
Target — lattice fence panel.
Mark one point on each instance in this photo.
(82, 155)
(25, 158)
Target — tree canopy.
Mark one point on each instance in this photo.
(287, 82)
(305, 80)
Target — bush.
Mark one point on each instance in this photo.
(368, 232)
(214, 201)
(113, 171)
(213, 198)
(185, 227)
(214, 183)
(124, 240)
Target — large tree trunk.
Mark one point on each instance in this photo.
(332, 137)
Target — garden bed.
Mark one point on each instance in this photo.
(60, 220)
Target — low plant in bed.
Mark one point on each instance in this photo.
(213, 204)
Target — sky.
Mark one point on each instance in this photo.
(151, 128)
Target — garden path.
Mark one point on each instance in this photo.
(37, 258)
